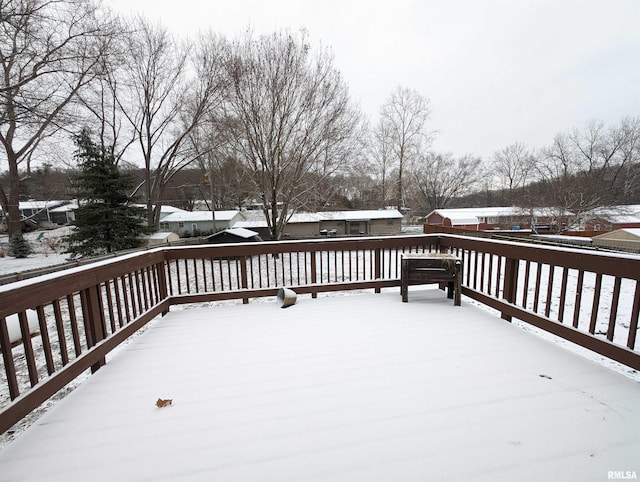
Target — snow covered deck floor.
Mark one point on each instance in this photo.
(349, 388)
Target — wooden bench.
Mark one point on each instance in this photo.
(430, 268)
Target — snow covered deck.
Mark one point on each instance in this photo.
(349, 388)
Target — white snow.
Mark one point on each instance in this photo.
(358, 388)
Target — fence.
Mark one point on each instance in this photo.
(83, 313)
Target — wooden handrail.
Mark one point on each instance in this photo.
(85, 312)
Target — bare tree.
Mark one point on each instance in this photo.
(49, 51)
(514, 167)
(382, 154)
(296, 119)
(224, 173)
(100, 100)
(591, 167)
(169, 89)
(440, 177)
(626, 179)
(403, 120)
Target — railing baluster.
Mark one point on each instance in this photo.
(314, 272)
(125, 298)
(7, 357)
(28, 348)
(547, 308)
(563, 294)
(490, 275)
(74, 325)
(62, 339)
(243, 276)
(613, 314)
(112, 321)
(596, 303)
(525, 289)
(46, 342)
(499, 273)
(536, 299)
(633, 322)
(195, 276)
(578, 302)
(213, 274)
(148, 288)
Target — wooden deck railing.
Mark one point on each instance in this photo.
(84, 313)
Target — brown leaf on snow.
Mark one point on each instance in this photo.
(164, 402)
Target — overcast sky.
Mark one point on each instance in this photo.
(496, 72)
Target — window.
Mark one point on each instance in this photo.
(180, 224)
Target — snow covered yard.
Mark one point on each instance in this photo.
(360, 387)
(47, 251)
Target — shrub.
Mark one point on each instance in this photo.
(18, 246)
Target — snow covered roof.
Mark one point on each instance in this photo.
(239, 232)
(251, 223)
(462, 219)
(623, 219)
(65, 208)
(618, 213)
(33, 204)
(161, 235)
(257, 220)
(461, 216)
(363, 215)
(37, 204)
(188, 216)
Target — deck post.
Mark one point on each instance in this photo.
(94, 320)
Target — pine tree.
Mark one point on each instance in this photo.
(105, 221)
(18, 246)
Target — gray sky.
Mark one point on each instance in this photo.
(496, 72)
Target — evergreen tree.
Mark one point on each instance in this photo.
(18, 246)
(105, 221)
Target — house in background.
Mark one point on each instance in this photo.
(63, 215)
(161, 238)
(336, 223)
(493, 218)
(43, 214)
(188, 223)
(627, 239)
(613, 218)
(367, 222)
(233, 235)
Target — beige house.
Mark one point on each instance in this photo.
(332, 223)
(186, 223)
(627, 239)
(160, 238)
